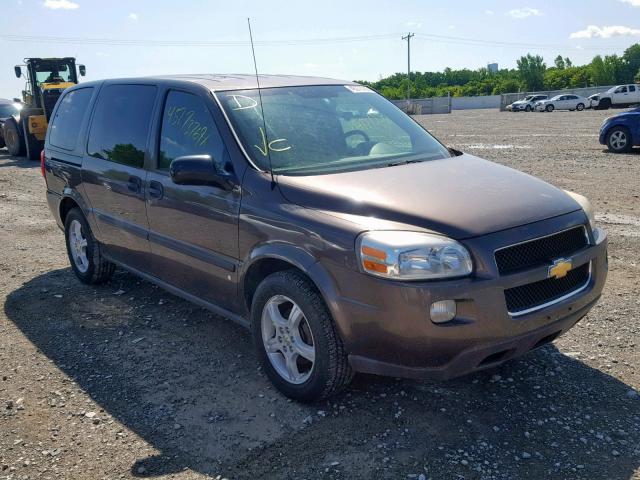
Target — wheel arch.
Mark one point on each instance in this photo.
(274, 257)
(71, 199)
(66, 205)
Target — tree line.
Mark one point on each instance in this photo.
(532, 74)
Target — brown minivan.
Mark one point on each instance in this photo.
(321, 216)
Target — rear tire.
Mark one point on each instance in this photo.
(33, 146)
(619, 140)
(12, 138)
(580, 107)
(528, 108)
(83, 250)
(549, 108)
(277, 337)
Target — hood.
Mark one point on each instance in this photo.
(519, 102)
(460, 197)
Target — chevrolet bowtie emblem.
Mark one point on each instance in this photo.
(559, 268)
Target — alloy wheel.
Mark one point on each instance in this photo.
(287, 339)
(78, 246)
(618, 140)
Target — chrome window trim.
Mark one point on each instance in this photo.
(557, 300)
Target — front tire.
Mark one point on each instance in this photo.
(528, 108)
(549, 108)
(296, 338)
(33, 146)
(12, 138)
(83, 250)
(580, 107)
(619, 140)
(604, 104)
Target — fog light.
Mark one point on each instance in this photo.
(443, 311)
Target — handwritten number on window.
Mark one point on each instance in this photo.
(184, 120)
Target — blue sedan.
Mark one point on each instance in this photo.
(621, 132)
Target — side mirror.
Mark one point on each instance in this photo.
(18, 71)
(82, 69)
(199, 170)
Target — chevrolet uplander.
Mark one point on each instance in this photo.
(321, 216)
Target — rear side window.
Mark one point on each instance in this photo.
(632, 88)
(65, 125)
(121, 123)
(188, 129)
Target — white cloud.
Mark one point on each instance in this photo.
(633, 3)
(133, 17)
(413, 24)
(60, 4)
(524, 12)
(489, 12)
(593, 31)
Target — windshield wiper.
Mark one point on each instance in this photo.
(403, 162)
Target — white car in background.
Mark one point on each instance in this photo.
(563, 102)
(526, 104)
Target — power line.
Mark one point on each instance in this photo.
(188, 43)
(78, 41)
(498, 43)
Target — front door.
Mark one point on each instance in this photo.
(620, 96)
(113, 171)
(193, 229)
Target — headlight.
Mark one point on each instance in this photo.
(586, 206)
(401, 255)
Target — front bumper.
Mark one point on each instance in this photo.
(386, 327)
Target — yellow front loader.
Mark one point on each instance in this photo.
(46, 79)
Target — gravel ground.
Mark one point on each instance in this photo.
(124, 380)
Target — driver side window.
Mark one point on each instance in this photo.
(187, 129)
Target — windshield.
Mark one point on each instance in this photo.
(50, 72)
(8, 109)
(557, 97)
(529, 97)
(313, 130)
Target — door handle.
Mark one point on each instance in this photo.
(135, 184)
(155, 189)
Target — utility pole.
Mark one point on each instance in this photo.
(408, 39)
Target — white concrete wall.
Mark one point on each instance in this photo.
(466, 103)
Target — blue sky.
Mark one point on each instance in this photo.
(578, 29)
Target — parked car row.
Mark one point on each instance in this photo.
(620, 96)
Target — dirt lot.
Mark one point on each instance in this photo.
(125, 380)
